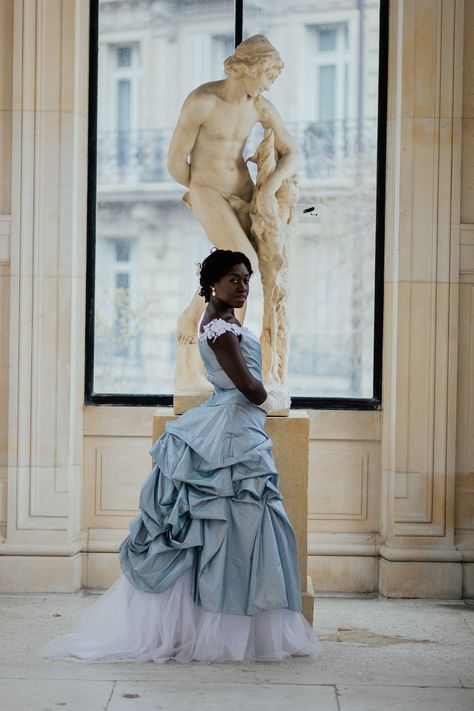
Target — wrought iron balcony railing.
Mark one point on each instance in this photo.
(137, 156)
(328, 149)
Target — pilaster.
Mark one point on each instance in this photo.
(48, 227)
(419, 558)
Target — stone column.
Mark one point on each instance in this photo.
(48, 227)
(419, 558)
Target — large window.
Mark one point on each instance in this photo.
(144, 243)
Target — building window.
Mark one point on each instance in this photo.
(329, 98)
(119, 110)
(117, 319)
(223, 47)
(331, 60)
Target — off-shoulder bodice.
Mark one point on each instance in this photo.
(250, 350)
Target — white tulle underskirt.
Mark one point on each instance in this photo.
(126, 624)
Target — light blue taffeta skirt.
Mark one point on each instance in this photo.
(210, 566)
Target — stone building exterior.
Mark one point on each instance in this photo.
(391, 496)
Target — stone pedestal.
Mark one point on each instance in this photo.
(181, 403)
(290, 437)
(185, 401)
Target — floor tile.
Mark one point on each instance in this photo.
(54, 695)
(360, 698)
(142, 696)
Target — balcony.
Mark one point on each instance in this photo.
(334, 150)
(137, 156)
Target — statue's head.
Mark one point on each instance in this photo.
(254, 56)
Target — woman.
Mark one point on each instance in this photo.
(210, 565)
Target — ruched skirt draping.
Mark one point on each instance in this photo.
(210, 566)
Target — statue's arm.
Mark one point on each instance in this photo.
(193, 113)
(284, 144)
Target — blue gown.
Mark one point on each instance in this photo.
(211, 503)
(210, 566)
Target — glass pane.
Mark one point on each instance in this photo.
(124, 56)
(123, 122)
(122, 281)
(327, 93)
(327, 40)
(331, 110)
(123, 102)
(122, 250)
(147, 240)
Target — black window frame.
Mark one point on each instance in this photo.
(307, 403)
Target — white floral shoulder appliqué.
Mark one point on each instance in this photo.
(218, 326)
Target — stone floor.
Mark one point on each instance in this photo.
(379, 655)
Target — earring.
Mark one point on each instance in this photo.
(213, 292)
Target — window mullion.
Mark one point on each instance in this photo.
(239, 20)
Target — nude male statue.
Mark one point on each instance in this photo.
(206, 156)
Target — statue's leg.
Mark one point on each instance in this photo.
(224, 228)
(221, 223)
(225, 231)
(186, 332)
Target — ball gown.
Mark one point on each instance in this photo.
(210, 565)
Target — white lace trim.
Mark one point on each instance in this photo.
(217, 327)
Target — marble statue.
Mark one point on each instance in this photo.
(206, 156)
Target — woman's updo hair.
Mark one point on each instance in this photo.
(218, 264)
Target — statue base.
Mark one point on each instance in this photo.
(185, 401)
(290, 437)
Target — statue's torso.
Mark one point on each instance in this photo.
(217, 156)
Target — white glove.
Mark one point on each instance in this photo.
(276, 400)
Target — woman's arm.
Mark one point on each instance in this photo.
(229, 356)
